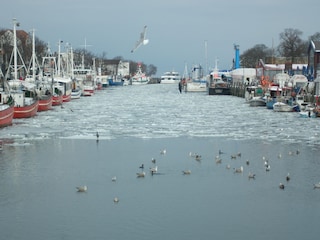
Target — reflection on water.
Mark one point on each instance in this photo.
(46, 157)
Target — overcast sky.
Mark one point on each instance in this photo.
(177, 29)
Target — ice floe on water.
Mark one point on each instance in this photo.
(159, 111)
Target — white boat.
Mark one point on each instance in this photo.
(139, 77)
(86, 78)
(307, 114)
(257, 102)
(282, 107)
(170, 77)
(76, 92)
(198, 82)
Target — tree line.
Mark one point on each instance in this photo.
(291, 47)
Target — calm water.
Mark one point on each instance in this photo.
(46, 157)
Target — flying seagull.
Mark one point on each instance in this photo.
(142, 40)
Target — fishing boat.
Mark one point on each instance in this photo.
(45, 102)
(6, 103)
(218, 86)
(6, 109)
(65, 84)
(256, 96)
(139, 77)
(273, 94)
(197, 82)
(57, 99)
(42, 88)
(23, 93)
(170, 77)
(86, 78)
(282, 107)
(76, 90)
(117, 81)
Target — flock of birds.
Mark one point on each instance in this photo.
(266, 166)
(218, 160)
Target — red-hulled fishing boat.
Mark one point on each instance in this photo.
(6, 113)
(25, 103)
(45, 102)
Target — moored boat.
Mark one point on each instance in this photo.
(45, 102)
(76, 93)
(28, 110)
(139, 77)
(23, 93)
(56, 99)
(217, 86)
(65, 84)
(117, 81)
(26, 101)
(257, 102)
(170, 77)
(282, 107)
(255, 96)
(198, 82)
(6, 110)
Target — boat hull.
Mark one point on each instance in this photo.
(88, 91)
(219, 91)
(66, 98)
(56, 100)
(27, 111)
(115, 83)
(196, 87)
(76, 94)
(45, 103)
(282, 107)
(257, 103)
(6, 116)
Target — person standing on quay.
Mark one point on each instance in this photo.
(180, 86)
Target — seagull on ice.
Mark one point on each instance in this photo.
(113, 179)
(186, 172)
(116, 200)
(154, 170)
(142, 40)
(281, 186)
(316, 185)
(97, 134)
(163, 151)
(251, 175)
(238, 170)
(141, 174)
(82, 188)
(288, 177)
(218, 160)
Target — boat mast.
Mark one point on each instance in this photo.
(33, 56)
(206, 55)
(59, 58)
(15, 24)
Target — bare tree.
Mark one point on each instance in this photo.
(291, 45)
(251, 56)
(151, 70)
(315, 37)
